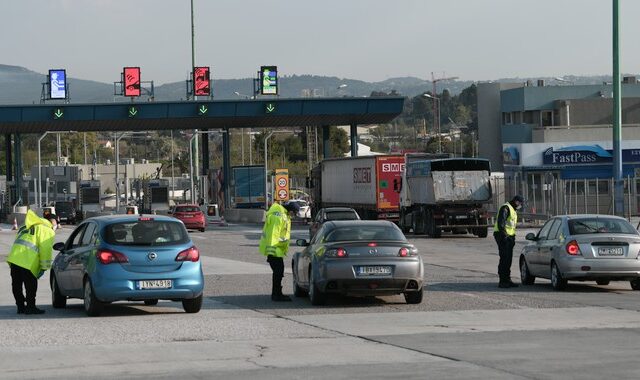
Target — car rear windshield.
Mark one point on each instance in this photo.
(600, 225)
(187, 209)
(63, 206)
(146, 233)
(368, 233)
(341, 215)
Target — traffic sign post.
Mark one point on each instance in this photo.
(270, 107)
(202, 110)
(282, 185)
(133, 112)
(58, 113)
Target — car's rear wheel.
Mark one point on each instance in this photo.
(557, 282)
(635, 284)
(315, 295)
(150, 302)
(602, 282)
(414, 297)
(92, 306)
(57, 299)
(525, 276)
(202, 229)
(192, 305)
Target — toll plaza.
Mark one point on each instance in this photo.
(202, 115)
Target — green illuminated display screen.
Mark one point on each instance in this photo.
(269, 80)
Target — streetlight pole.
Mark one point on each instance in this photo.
(436, 116)
(266, 182)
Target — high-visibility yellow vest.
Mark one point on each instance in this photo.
(276, 232)
(34, 244)
(510, 223)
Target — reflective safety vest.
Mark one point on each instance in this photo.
(510, 223)
(34, 244)
(276, 232)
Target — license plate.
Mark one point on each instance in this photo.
(373, 270)
(613, 251)
(154, 284)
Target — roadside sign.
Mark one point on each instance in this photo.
(268, 80)
(282, 184)
(131, 77)
(203, 109)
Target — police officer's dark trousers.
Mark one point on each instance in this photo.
(19, 277)
(277, 266)
(505, 250)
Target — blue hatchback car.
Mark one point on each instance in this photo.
(127, 258)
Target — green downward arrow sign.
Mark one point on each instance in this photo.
(58, 113)
(203, 110)
(133, 111)
(270, 108)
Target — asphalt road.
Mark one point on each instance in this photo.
(466, 327)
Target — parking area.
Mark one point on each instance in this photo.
(466, 327)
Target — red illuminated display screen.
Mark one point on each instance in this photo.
(201, 81)
(131, 81)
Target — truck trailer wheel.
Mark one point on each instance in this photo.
(432, 230)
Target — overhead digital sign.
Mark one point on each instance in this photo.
(57, 84)
(268, 80)
(201, 81)
(131, 81)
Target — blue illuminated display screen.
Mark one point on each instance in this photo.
(57, 84)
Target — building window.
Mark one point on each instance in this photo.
(507, 118)
(517, 118)
(546, 118)
(527, 117)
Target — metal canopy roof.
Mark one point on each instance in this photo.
(185, 114)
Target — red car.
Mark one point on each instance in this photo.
(191, 216)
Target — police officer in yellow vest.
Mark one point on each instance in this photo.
(274, 243)
(504, 231)
(30, 256)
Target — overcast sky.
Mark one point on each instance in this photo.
(370, 40)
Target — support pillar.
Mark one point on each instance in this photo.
(7, 157)
(226, 167)
(326, 143)
(204, 182)
(354, 140)
(18, 162)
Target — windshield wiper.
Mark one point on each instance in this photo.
(588, 226)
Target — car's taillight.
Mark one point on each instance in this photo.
(106, 256)
(338, 252)
(573, 248)
(404, 252)
(372, 244)
(190, 254)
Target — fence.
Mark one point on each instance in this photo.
(547, 194)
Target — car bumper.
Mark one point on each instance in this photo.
(194, 224)
(592, 269)
(117, 284)
(339, 276)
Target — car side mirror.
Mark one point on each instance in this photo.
(58, 246)
(531, 236)
(302, 243)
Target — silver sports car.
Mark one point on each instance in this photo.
(357, 257)
(599, 248)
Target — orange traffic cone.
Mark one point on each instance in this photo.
(15, 224)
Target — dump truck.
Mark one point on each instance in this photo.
(362, 183)
(444, 195)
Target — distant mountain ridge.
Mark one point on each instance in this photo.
(19, 85)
